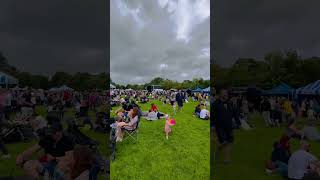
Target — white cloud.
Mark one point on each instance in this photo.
(141, 53)
(163, 66)
(186, 14)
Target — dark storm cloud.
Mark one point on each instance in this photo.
(251, 28)
(56, 35)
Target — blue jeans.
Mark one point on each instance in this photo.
(282, 168)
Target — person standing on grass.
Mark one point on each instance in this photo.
(179, 99)
(223, 113)
(266, 108)
(3, 148)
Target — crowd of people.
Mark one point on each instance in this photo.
(174, 98)
(296, 116)
(67, 152)
(128, 114)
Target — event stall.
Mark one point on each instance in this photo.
(7, 80)
(310, 89)
(198, 90)
(206, 90)
(283, 90)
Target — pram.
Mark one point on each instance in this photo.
(16, 131)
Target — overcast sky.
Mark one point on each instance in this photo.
(251, 28)
(166, 38)
(45, 36)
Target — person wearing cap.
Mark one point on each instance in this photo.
(57, 148)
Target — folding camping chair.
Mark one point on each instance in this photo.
(132, 135)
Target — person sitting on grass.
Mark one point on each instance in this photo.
(38, 124)
(310, 131)
(314, 172)
(100, 122)
(57, 148)
(153, 113)
(78, 167)
(279, 157)
(132, 124)
(153, 108)
(300, 161)
(204, 113)
(197, 110)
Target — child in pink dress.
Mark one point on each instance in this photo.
(167, 128)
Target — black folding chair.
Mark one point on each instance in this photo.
(132, 135)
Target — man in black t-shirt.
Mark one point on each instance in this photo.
(223, 113)
(57, 148)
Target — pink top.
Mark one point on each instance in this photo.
(167, 126)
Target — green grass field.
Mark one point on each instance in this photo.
(8, 167)
(186, 155)
(250, 151)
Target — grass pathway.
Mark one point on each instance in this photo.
(184, 156)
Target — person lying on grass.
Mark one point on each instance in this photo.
(57, 148)
(153, 113)
(131, 125)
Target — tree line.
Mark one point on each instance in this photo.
(276, 67)
(167, 84)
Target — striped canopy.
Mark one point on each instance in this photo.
(310, 89)
(206, 90)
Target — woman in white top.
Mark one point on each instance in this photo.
(133, 116)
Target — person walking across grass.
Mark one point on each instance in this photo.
(223, 113)
(179, 100)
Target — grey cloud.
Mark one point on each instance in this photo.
(47, 36)
(136, 54)
(252, 28)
